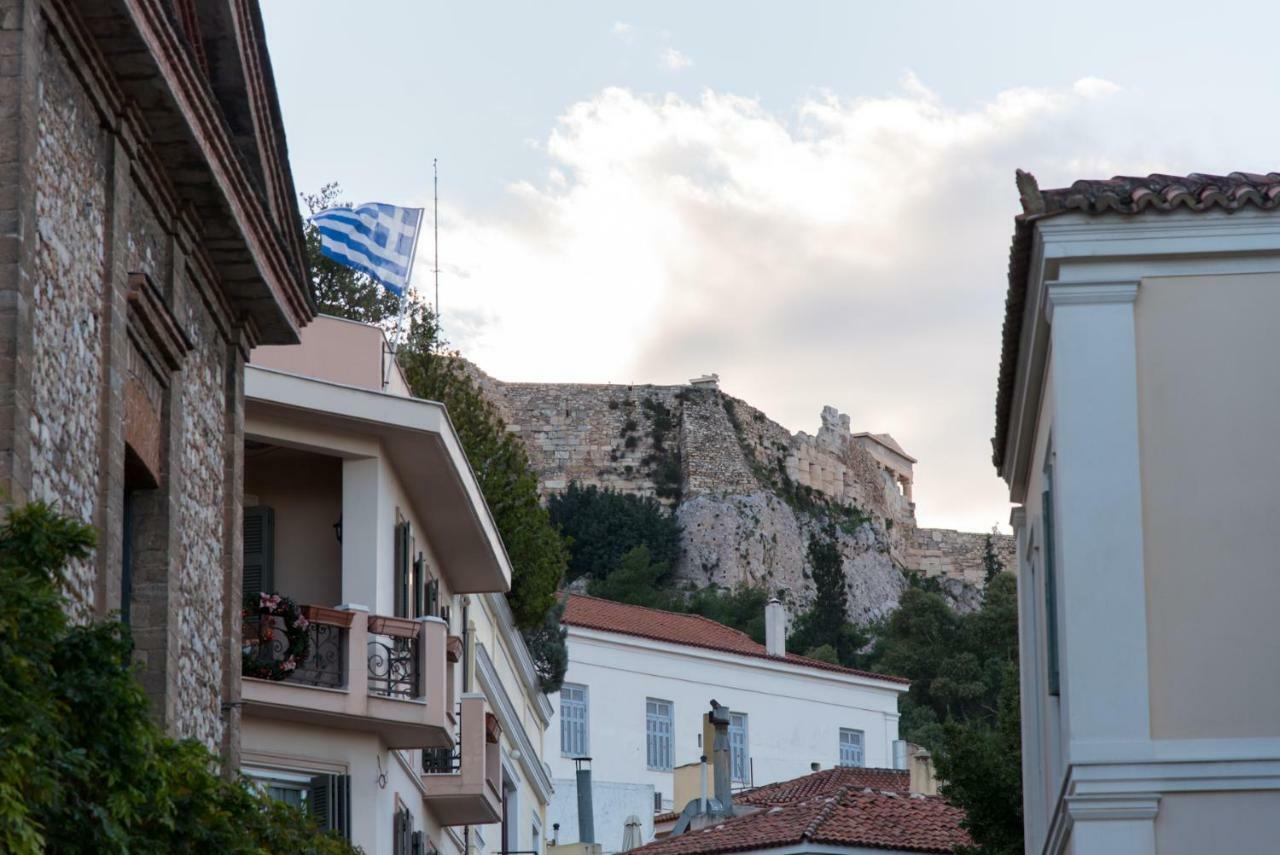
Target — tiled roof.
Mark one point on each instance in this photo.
(692, 630)
(1122, 195)
(850, 816)
(825, 783)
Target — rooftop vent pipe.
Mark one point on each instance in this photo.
(775, 628)
(720, 757)
(586, 813)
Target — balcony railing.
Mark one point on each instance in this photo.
(393, 657)
(462, 785)
(362, 671)
(325, 664)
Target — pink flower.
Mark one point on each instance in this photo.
(288, 664)
(302, 623)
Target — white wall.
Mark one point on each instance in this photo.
(611, 804)
(794, 714)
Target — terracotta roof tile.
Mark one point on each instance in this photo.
(692, 630)
(825, 783)
(849, 816)
(1122, 195)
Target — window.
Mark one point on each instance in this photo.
(402, 831)
(573, 720)
(658, 729)
(327, 798)
(1050, 583)
(851, 747)
(739, 759)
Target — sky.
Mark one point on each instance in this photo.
(812, 199)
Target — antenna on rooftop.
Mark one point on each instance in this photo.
(435, 227)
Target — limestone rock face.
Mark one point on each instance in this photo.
(749, 494)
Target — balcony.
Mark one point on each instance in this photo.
(362, 672)
(464, 785)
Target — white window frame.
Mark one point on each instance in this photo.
(568, 724)
(739, 749)
(659, 734)
(264, 778)
(861, 743)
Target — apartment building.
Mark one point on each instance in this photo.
(1136, 427)
(640, 681)
(414, 721)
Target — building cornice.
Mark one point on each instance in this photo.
(509, 717)
(514, 640)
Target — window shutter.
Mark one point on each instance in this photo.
(259, 550)
(433, 597)
(402, 569)
(329, 802)
(419, 583)
(1050, 594)
(417, 845)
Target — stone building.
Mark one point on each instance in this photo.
(149, 238)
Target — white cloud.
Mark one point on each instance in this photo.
(1094, 87)
(622, 29)
(673, 60)
(853, 253)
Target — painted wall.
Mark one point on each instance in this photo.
(305, 492)
(1210, 418)
(1194, 823)
(338, 351)
(612, 803)
(794, 714)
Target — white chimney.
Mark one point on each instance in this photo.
(775, 628)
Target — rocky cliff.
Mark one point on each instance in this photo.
(748, 493)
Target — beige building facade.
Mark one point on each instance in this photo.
(415, 722)
(1135, 427)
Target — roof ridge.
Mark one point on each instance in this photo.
(691, 615)
(833, 802)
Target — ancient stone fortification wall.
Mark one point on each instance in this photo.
(744, 481)
(959, 554)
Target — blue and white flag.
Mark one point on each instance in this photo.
(374, 238)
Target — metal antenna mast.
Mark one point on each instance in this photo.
(435, 224)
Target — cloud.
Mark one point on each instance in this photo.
(622, 29)
(851, 252)
(673, 60)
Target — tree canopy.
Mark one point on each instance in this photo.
(604, 525)
(83, 768)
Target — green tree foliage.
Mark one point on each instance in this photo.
(604, 525)
(963, 701)
(638, 580)
(990, 560)
(824, 630)
(549, 649)
(83, 769)
(742, 609)
(433, 371)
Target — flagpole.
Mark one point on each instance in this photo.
(435, 227)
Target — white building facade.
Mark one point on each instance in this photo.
(1136, 428)
(639, 682)
(415, 723)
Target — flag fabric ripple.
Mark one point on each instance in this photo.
(374, 238)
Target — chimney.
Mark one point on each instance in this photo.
(775, 628)
(720, 758)
(586, 817)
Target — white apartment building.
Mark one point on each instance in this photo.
(639, 682)
(1137, 419)
(415, 722)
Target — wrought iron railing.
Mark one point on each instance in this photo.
(393, 658)
(325, 663)
(441, 761)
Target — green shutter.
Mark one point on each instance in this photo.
(419, 577)
(404, 572)
(259, 550)
(329, 802)
(433, 597)
(1050, 593)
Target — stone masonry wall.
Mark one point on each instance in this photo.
(70, 180)
(199, 565)
(959, 554)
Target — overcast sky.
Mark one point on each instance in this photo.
(813, 200)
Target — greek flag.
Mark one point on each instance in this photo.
(374, 238)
